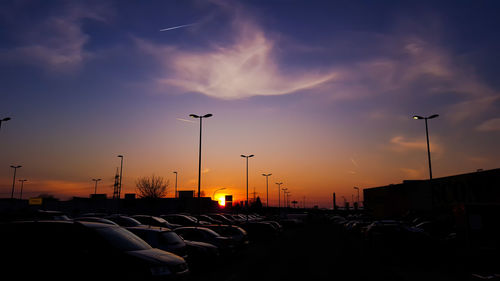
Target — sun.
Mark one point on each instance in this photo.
(222, 200)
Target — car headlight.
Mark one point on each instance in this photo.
(160, 270)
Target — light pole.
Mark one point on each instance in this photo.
(267, 189)
(14, 179)
(95, 189)
(247, 156)
(213, 195)
(284, 196)
(121, 175)
(199, 157)
(357, 188)
(416, 117)
(175, 196)
(22, 184)
(4, 120)
(279, 194)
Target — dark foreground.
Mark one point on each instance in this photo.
(320, 252)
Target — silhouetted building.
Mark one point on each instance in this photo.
(441, 195)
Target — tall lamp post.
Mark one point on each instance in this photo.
(4, 120)
(284, 196)
(121, 175)
(199, 156)
(22, 184)
(175, 196)
(95, 188)
(416, 117)
(14, 179)
(247, 156)
(279, 194)
(267, 189)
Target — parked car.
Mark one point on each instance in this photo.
(95, 219)
(208, 219)
(123, 220)
(38, 215)
(161, 238)
(223, 218)
(226, 245)
(237, 233)
(184, 220)
(155, 221)
(66, 250)
(196, 254)
(258, 231)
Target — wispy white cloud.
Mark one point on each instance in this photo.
(185, 120)
(402, 144)
(242, 69)
(55, 42)
(412, 173)
(490, 125)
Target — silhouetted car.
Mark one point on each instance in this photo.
(195, 253)
(223, 218)
(201, 254)
(161, 238)
(38, 215)
(237, 233)
(184, 220)
(123, 220)
(95, 219)
(69, 250)
(155, 221)
(208, 219)
(226, 245)
(258, 231)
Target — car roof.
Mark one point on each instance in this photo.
(150, 228)
(59, 222)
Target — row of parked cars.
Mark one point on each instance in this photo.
(51, 245)
(417, 234)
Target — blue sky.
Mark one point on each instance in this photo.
(322, 92)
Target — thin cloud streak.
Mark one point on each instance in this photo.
(185, 120)
(176, 27)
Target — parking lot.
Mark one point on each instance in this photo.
(314, 247)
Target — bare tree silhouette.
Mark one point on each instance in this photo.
(151, 187)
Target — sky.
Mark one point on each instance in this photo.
(321, 92)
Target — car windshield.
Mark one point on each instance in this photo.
(122, 239)
(172, 238)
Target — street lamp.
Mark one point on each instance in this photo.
(4, 120)
(199, 157)
(14, 179)
(213, 195)
(267, 189)
(175, 196)
(357, 188)
(121, 175)
(22, 184)
(284, 196)
(416, 117)
(279, 194)
(247, 156)
(95, 189)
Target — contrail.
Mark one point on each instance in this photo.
(175, 27)
(185, 120)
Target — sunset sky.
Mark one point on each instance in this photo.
(321, 92)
